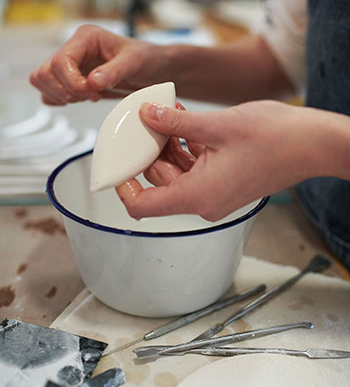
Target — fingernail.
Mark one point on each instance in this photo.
(100, 79)
(154, 111)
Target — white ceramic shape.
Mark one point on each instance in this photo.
(155, 267)
(125, 146)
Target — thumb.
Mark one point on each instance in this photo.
(112, 72)
(192, 126)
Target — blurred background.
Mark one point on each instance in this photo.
(35, 138)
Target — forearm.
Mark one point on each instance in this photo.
(333, 148)
(235, 73)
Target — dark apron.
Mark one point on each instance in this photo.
(327, 200)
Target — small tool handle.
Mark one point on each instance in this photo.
(232, 351)
(312, 353)
(262, 299)
(189, 318)
(217, 328)
(115, 90)
(317, 263)
(234, 338)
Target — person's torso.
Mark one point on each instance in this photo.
(327, 199)
(328, 55)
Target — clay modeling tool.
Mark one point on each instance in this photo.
(158, 350)
(189, 318)
(318, 263)
(115, 90)
(311, 353)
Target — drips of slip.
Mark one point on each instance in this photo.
(125, 146)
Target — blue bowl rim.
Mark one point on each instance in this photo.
(55, 202)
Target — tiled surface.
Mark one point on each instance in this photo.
(38, 276)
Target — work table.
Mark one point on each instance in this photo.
(39, 277)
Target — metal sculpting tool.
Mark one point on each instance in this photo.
(189, 318)
(158, 350)
(317, 263)
(311, 353)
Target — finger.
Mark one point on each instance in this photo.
(51, 101)
(81, 48)
(162, 172)
(49, 85)
(184, 195)
(195, 148)
(128, 191)
(67, 71)
(159, 201)
(174, 153)
(113, 72)
(50, 97)
(192, 126)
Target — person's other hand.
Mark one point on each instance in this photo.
(94, 61)
(238, 155)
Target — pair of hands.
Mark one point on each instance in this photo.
(236, 155)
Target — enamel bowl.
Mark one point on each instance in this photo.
(154, 267)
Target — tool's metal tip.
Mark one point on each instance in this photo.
(121, 347)
(318, 263)
(210, 332)
(145, 360)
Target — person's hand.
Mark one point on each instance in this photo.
(238, 155)
(94, 61)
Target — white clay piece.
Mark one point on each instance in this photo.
(125, 146)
